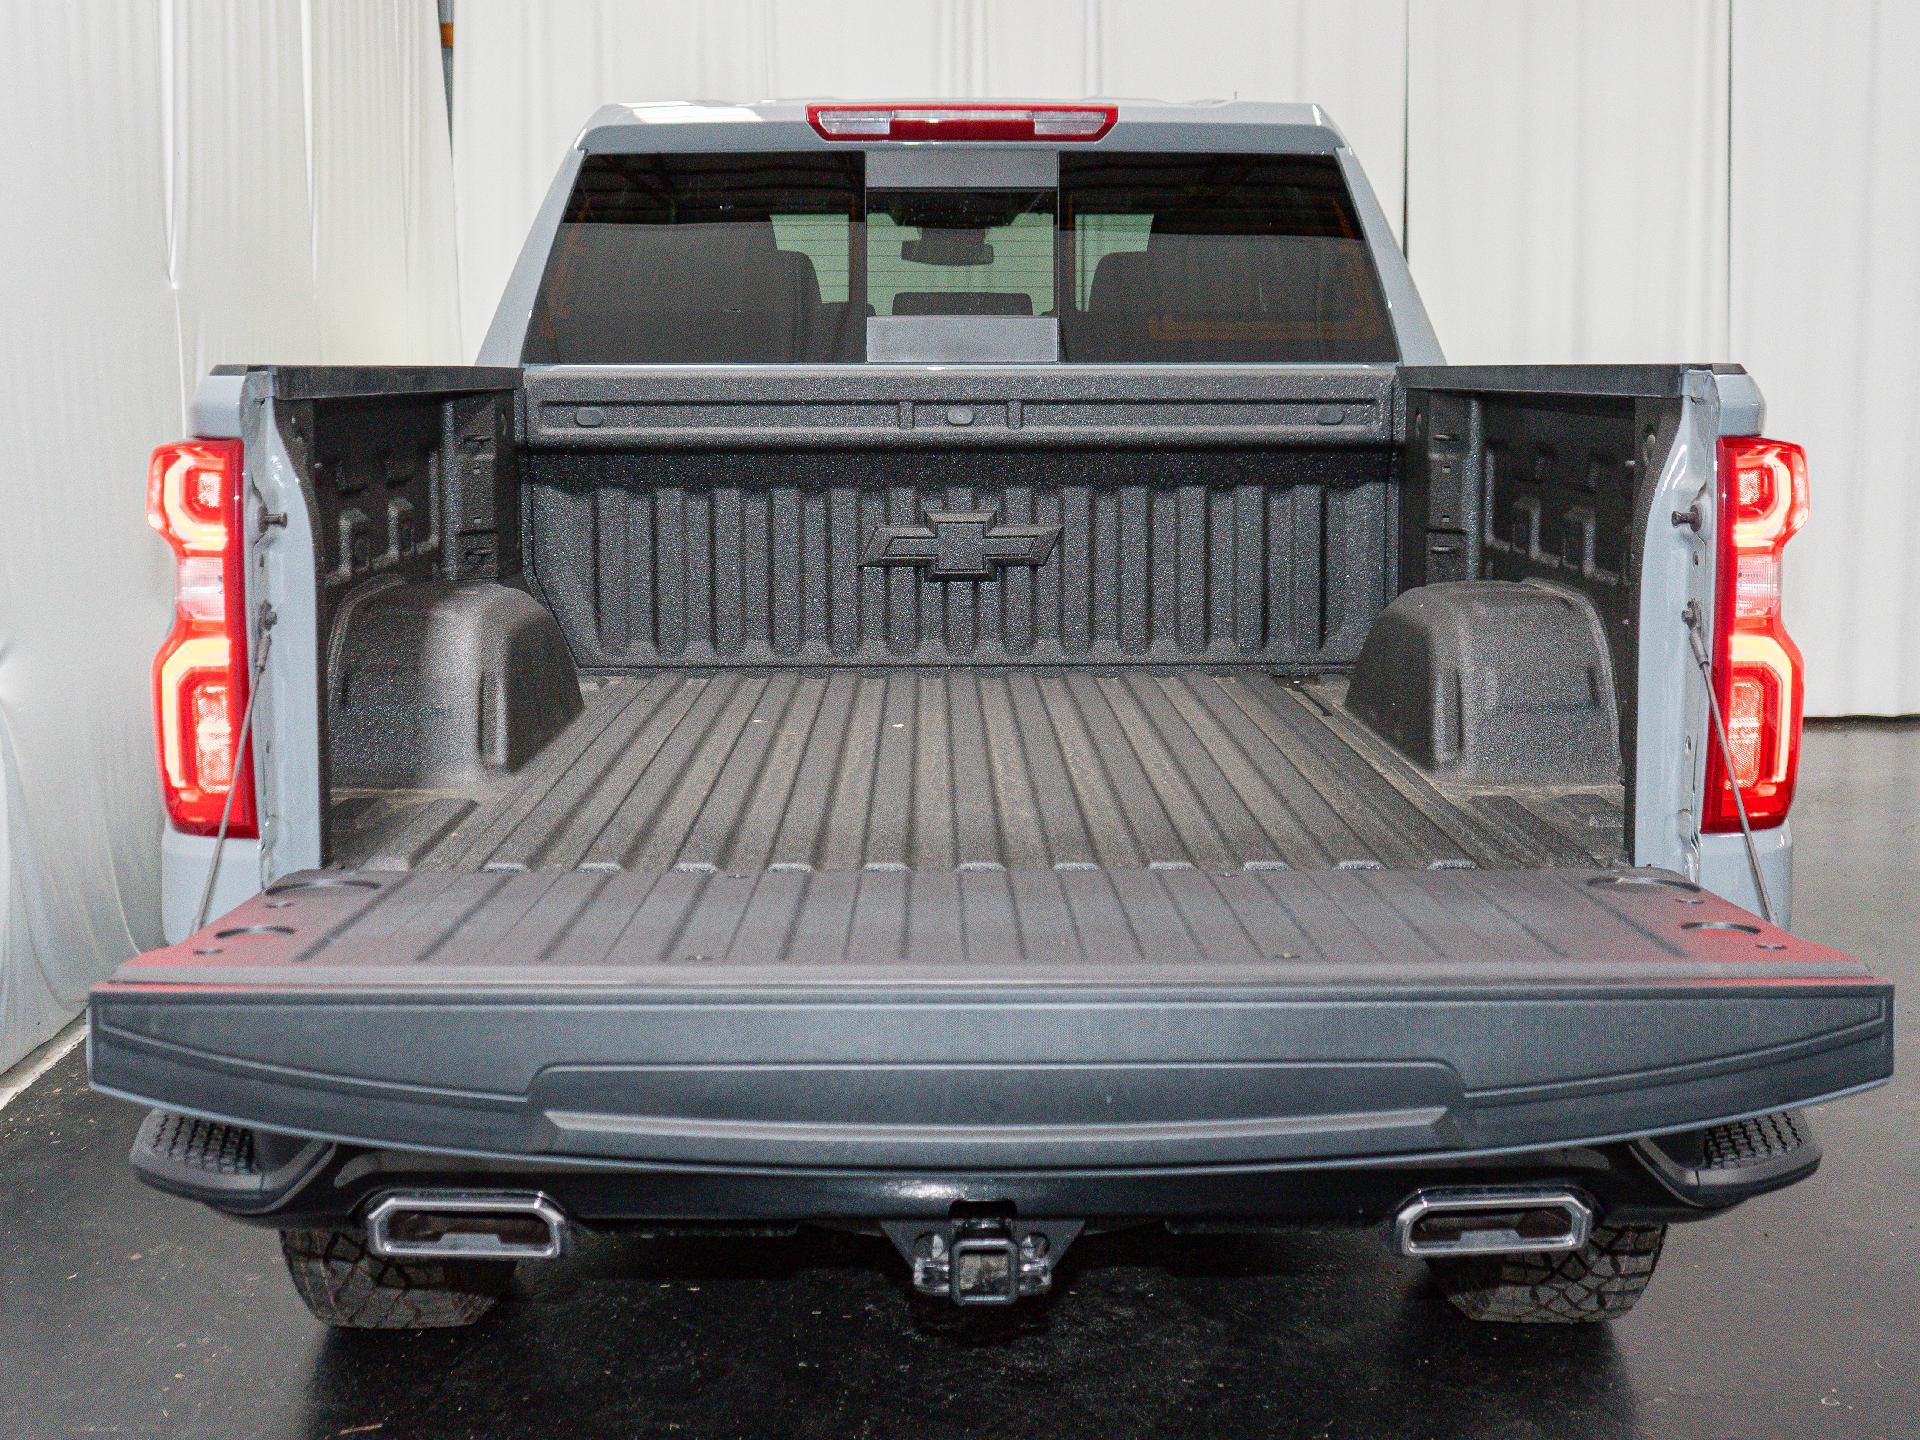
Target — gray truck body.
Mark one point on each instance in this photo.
(845, 791)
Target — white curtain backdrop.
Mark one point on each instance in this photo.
(1567, 178)
(1826, 313)
(189, 182)
(1590, 180)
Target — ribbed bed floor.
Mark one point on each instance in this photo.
(741, 771)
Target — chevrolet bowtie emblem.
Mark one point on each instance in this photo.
(961, 545)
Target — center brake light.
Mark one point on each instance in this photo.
(200, 675)
(1758, 674)
(962, 122)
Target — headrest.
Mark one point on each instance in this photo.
(961, 302)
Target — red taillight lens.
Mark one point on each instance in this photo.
(1757, 669)
(961, 122)
(200, 675)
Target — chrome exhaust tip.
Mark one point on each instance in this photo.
(466, 1225)
(1505, 1220)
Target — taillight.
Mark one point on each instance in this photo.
(961, 122)
(1757, 670)
(200, 676)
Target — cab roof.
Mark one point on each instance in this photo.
(1200, 125)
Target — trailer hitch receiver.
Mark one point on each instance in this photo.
(982, 1259)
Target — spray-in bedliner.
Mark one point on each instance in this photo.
(939, 770)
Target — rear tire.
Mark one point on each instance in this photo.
(347, 1285)
(1600, 1281)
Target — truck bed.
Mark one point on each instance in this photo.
(661, 821)
(842, 923)
(942, 770)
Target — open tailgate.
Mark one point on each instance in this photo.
(1003, 1019)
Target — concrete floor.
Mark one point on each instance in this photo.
(124, 1313)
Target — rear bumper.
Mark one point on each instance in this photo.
(288, 1182)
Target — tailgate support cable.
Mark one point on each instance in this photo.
(267, 617)
(1695, 637)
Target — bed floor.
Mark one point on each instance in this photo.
(939, 770)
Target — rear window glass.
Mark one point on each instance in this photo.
(1215, 257)
(693, 259)
(960, 252)
(782, 258)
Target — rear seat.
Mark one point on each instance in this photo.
(1261, 278)
(1119, 283)
(1140, 300)
(761, 303)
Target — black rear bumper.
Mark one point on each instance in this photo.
(288, 1182)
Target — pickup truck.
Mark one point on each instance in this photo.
(968, 672)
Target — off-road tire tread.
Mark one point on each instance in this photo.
(347, 1285)
(1599, 1281)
